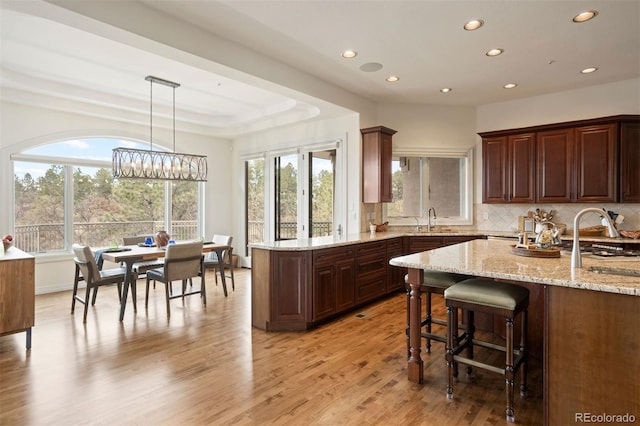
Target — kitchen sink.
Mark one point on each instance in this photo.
(614, 271)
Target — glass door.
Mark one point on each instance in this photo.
(321, 190)
(286, 196)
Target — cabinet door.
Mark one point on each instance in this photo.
(596, 163)
(418, 244)
(521, 167)
(289, 302)
(554, 178)
(376, 164)
(494, 170)
(324, 291)
(395, 274)
(345, 278)
(630, 163)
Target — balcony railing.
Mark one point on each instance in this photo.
(43, 238)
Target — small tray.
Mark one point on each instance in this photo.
(536, 252)
(146, 245)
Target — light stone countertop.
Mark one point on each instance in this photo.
(494, 259)
(316, 243)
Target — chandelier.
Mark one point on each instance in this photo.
(149, 164)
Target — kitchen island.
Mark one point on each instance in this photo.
(591, 323)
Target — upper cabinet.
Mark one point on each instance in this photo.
(584, 161)
(508, 172)
(630, 162)
(376, 164)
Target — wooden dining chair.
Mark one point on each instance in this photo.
(87, 271)
(221, 265)
(182, 262)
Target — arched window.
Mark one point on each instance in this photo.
(65, 193)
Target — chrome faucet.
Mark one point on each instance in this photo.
(576, 259)
(417, 223)
(429, 218)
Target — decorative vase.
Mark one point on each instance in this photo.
(162, 238)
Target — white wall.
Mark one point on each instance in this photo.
(25, 126)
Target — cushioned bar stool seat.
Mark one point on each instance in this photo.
(492, 297)
(434, 282)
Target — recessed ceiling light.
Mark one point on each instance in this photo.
(494, 52)
(585, 16)
(392, 78)
(446, 89)
(589, 70)
(348, 54)
(510, 85)
(371, 67)
(474, 24)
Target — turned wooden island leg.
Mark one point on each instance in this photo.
(415, 365)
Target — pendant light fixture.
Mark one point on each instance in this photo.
(128, 163)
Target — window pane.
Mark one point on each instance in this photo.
(286, 197)
(321, 188)
(184, 212)
(39, 207)
(445, 186)
(255, 202)
(406, 187)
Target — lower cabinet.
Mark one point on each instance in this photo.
(296, 289)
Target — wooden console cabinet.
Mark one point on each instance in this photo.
(17, 293)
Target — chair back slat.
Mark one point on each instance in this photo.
(135, 239)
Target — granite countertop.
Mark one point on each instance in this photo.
(494, 259)
(327, 242)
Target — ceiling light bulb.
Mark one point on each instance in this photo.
(393, 78)
(348, 54)
(446, 89)
(589, 70)
(495, 52)
(474, 24)
(585, 16)
(510, 85)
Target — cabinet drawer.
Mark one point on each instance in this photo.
(449, 241)
(370, 288)
(418, 244)
(394, 246)
(378, 248)
(369, 265)
(332, 255)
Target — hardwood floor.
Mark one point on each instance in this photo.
(209, 366)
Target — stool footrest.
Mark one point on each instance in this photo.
(478, 364)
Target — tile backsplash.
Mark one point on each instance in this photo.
(504, 217)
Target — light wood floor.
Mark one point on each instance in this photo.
(209, 366)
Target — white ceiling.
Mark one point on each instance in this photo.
(422, 42)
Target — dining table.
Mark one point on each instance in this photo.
(130, 254)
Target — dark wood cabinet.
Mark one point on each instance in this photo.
(509, 169)
(555, 166)
(593, 160)
(630, 162)
(376, 164)
(333, 281)
(371, 270)
(596, 167)
(395, 274)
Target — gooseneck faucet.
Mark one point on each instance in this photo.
(576, 259)
(429, 218)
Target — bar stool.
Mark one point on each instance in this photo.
(434, 282)
(492, 297)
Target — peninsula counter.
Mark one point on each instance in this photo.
(591, 323)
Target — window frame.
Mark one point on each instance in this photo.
(466, 199)
(69, 163)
